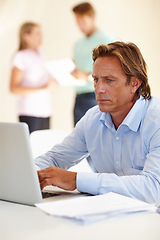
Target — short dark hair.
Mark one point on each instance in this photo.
(84, 9)
(131, 61)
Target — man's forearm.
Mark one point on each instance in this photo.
(145, 188)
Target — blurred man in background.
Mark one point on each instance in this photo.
(82, 55)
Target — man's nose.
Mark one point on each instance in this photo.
(99, 87)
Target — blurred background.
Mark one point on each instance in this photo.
(126, 20)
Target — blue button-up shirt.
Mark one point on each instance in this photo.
(127, 159)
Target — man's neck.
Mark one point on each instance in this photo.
(118, 117)
(94, 29)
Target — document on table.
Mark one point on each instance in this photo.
(61, 70)
(94, 208)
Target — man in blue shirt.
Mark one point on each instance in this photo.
(121, 134)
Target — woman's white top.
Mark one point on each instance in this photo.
(35, 74)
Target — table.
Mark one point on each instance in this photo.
(21, 222)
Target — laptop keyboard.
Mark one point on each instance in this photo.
(49, 194)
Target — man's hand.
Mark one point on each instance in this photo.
(57, 177)
(52, 83)
(79, 74)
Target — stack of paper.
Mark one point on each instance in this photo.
(61, 70)
(94, 208)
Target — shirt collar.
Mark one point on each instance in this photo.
(133, 118)
(106, 120)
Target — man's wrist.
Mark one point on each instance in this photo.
(87, 182)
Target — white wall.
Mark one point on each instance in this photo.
(127, 20)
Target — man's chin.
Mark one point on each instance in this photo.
(102, 109)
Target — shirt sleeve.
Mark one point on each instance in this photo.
(18, 61)
(70, 152)
(141, 187)
(145, 187)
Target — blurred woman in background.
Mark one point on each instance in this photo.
(30, 79)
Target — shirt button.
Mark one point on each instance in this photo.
(117, 163)
(117, 138)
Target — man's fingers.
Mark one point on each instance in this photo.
(46, 182)
(41, 176)
(45, 173)
(57, 177)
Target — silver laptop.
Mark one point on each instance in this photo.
(18, 177)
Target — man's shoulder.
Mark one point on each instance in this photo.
(154, 107)
(79, 41)
(99, 37)
(103, 37)
(90, 120)
(150, 124)
(93, 113)
(152, 115)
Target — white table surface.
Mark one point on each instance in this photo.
(21, 222)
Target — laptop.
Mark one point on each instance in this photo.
(18, 176)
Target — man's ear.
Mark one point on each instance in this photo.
(135, 83)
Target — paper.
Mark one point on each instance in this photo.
(94, 208)
(61, 71)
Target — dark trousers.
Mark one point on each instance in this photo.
(82, 104)
(35, 123)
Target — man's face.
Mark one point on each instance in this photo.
(85, 23)
(113, 94)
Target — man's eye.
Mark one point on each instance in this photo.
(109, 80)
(95, 79)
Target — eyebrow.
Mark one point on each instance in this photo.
(107, 76)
